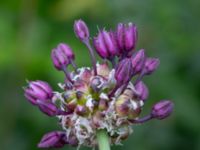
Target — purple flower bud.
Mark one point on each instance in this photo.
(38, 90)
(151, 64)
(162, 109)
(61, 56)
(81, 30)
(126, 37)
(142, 90)
(138, 61)
(124, 71)
(48, 108)
(55, 139)
(105, 44)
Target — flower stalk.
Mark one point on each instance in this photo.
(103, 140)
(92, 56)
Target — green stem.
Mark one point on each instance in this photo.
(103, 140)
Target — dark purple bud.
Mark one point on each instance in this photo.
(126, 37)
(105, 44)
(138, 61)
(124, 71)
(162, 109)
(151, 64)
(55, 139)
(61, 56)
(81, 30)
(48, 108)
(142, 90)
(38, 90)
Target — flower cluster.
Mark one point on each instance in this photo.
(104, 96)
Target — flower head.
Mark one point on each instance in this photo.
(109, 95)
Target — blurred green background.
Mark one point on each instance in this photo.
(170, 30)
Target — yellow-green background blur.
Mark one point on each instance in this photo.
(170, 30)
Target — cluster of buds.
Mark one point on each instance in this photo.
(103, 96)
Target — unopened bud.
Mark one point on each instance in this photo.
(138, 61)
(105, 44)
(142, 90)
(124, 71)
(48, 108)
(55, 139)
(61, 56)
(81, 30)
(38, 90)
(162, 109)
(151, 64)
(126, 37)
